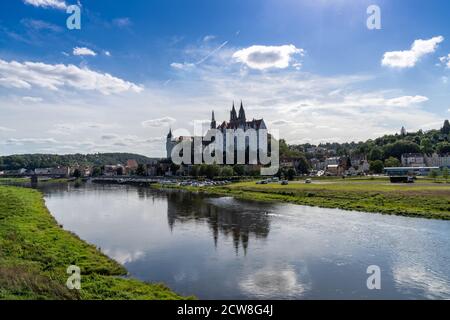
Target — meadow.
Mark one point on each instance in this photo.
(35, 253)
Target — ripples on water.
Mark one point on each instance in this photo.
(224, 248)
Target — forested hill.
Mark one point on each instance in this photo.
(33, 161)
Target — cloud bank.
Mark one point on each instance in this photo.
(409, 58)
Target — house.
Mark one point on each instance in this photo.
(413, 160)
(335, 170)
(332, 161)
(438, 161)
(131, 166)
(114, 170)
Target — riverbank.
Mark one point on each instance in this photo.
(35, 253)
(422, 199)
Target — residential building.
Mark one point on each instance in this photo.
(413, 160)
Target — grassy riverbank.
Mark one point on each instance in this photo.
(423, 199)
(35, 253)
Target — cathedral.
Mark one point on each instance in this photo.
(237, 121)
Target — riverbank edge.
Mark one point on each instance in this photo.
(35, 253)
(306, 200)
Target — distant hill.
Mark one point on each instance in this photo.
(33, 161)
(382, 148)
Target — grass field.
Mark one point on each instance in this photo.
(35, 253)
(423, 199)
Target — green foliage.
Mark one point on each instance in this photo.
(227, 171)
(239, 170)
(433, 174)
(398, 148)
(392, 162)
(443, 148)
(141, 171)
(33, 161)
(376, 166)
(446, 128)
(376, 153)
(445, 173)
(35, 253)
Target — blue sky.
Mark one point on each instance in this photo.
(311, 68)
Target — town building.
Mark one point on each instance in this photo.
(438, 161)
(413, 160)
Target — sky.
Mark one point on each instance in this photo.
(311, 68)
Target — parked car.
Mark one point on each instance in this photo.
(284, 183)
(308, 181)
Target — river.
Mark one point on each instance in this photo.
(224, 248)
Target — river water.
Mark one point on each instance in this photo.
(223, 248)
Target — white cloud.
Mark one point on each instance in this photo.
(182, 66)
(406, 101)
(83, 52)
(281, 122)
(4, 129)
(409, 58)
(158, 122)
(122, 22)
(22, 141)
(445, 60)
(29, 75)
(209, 38)
(41, 25)
(57, 4)
(32, 99)
(107, 53)
(110, 136)
(266, 57)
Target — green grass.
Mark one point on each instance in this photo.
(35, 253)
(422, 199)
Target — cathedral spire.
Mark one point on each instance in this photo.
(213, 121)
(233, 113)
(242, 112)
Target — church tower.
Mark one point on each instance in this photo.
(169, 144)
(213, 121)
(233, 115)
(242, 118)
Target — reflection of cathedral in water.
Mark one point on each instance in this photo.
(229, 220)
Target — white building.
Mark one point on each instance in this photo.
(413, 160)
(438, 161)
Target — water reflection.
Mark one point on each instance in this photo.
(223, 248)
(220, 215)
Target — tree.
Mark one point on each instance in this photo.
(239, 170)
(96, 172)
(446, 128)
(376, 153)
(443, 148)
(195, 171)
(303, 165)
(445, 173)
(433, 174)
(426, 146)
(391, 162)
(141, 171)
(76, 173)
(227, 171)
(398, 148)
(212, 171)
(290, 174)
(376, 166)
